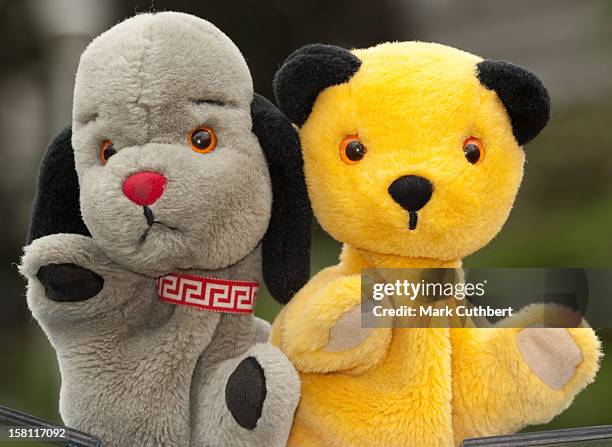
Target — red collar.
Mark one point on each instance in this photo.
(211, 294)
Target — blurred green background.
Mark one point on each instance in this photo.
(563, 215)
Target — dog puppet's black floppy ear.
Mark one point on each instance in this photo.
(523, 95)
(286, 244)
(307, 72)
(56, 205)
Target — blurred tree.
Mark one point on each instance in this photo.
(22, 48)
(18, 28)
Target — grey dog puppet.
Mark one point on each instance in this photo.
(177, 163)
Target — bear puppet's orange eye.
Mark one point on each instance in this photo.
(473, 150)
(107, 151)
(352, 150)
(203, 140)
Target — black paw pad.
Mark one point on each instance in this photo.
(245, 393)
(69, 282)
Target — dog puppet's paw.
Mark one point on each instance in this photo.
(248, 400)
(63, 270)
(69, 282)
(245, 393)
(71, 279)
(551, 354)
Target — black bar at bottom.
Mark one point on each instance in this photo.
(597, 436)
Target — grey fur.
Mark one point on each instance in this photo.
(139, 80)
(135, 370)
(215, 425)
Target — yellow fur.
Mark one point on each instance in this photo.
(412, 105)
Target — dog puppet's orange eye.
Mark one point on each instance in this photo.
(107, 151)
(203, 140)
(352, 150)
(473, 150)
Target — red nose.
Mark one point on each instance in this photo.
(144, 188)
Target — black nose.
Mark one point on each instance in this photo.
(411, 192)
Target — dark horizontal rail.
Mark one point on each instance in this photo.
(567, 437)
(73, 438)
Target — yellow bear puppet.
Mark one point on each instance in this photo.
(413, 157)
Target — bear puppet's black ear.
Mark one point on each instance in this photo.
(286, 244)
(307, 72)
(523, 95)
(57, 205)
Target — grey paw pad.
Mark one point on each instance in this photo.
(245, 393)
(69, 282)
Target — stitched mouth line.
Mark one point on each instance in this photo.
(413, 218)
(144, 235)
(151, 222)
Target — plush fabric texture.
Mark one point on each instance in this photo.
(216, 425)
(413, 105)
(306, 72)
(56, 208)
(137, 371)
(286, 244)
(523, 94)
(126, 359)
(551, 354)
